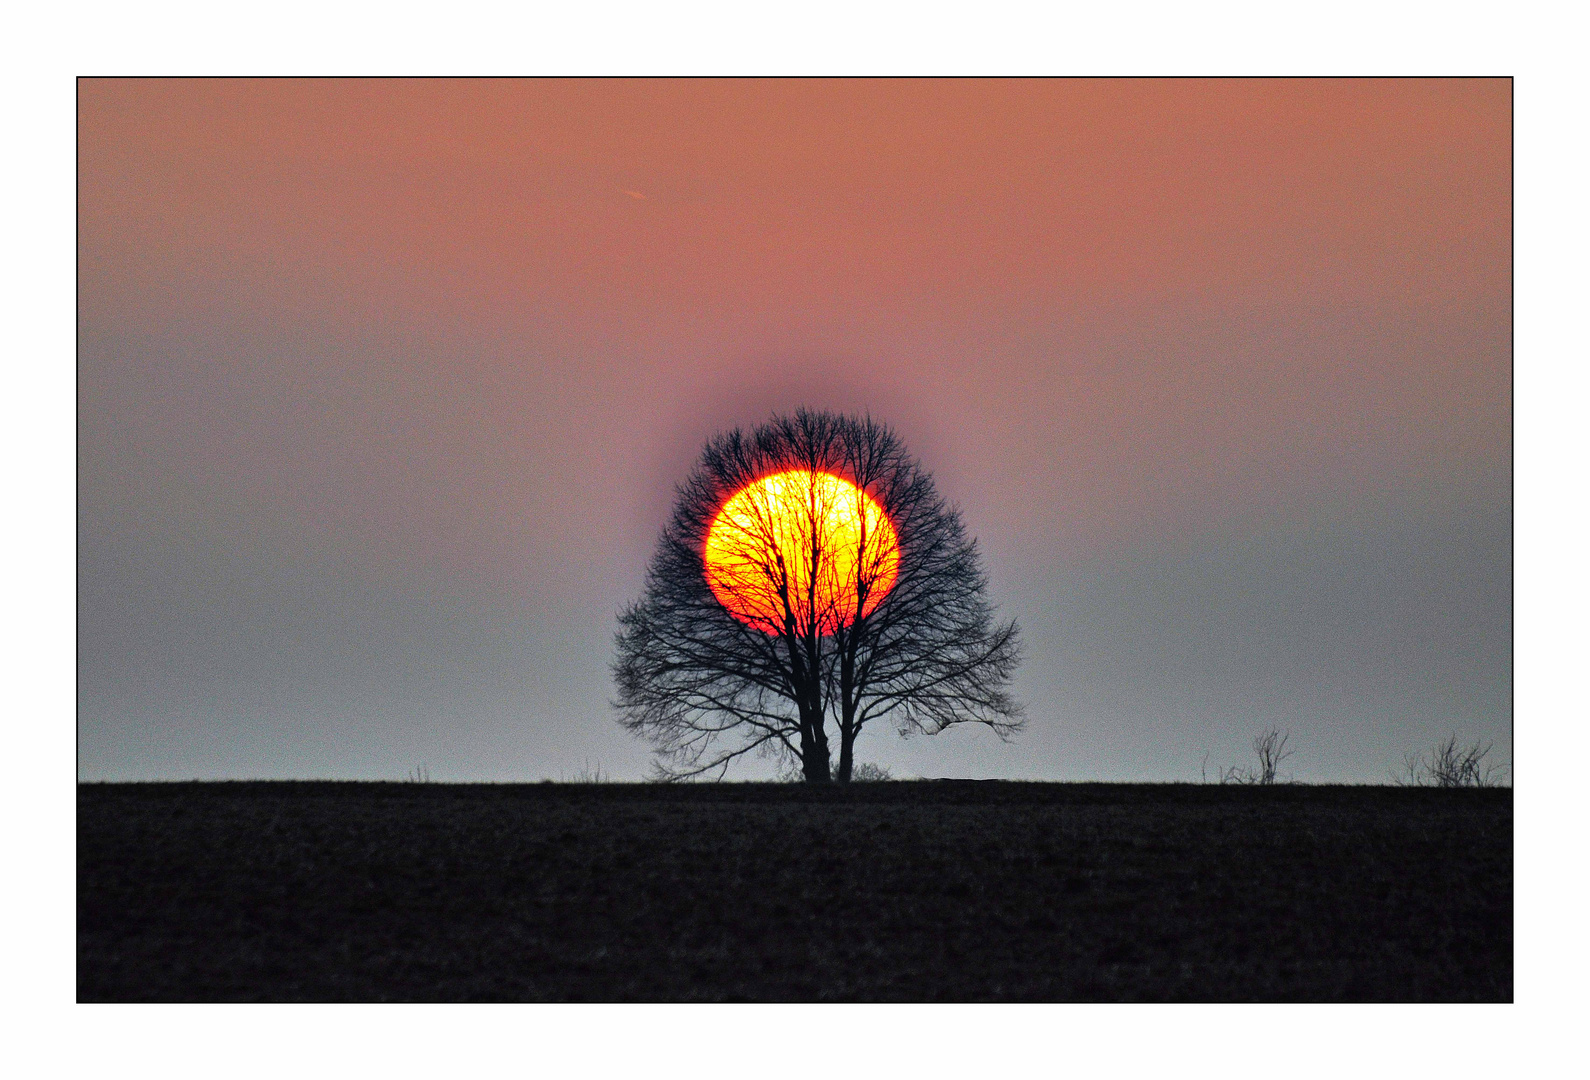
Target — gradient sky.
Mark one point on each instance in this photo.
(384, 388)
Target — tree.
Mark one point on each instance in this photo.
(810, 579)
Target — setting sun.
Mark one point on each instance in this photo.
(804, 547)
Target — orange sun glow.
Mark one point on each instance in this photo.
(805, 547)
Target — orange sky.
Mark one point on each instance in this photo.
(767, 199)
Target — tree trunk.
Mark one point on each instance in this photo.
(815, 763)
(804, 670)
(847, 697)
(847, 745)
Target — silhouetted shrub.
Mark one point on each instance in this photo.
(1448, 765)
(589, 775)
(867, 772)
(862, 773)
(1270, 749)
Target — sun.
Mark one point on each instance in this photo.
(801, 550)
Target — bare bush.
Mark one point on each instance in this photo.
(590, 775)
(867, 772)
(1270, 749)
(860, 773)
(1448, 765)
(420, 774)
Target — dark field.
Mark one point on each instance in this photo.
(920, 891)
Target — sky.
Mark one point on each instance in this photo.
(384, 388)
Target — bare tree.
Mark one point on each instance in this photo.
(1448, 765)
(1270, 749)
(823, 605)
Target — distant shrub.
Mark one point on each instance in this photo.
(863, 772)
(1448, 765)
(868, 773)
(420, 774)
(589, 775)
(1270, 749)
